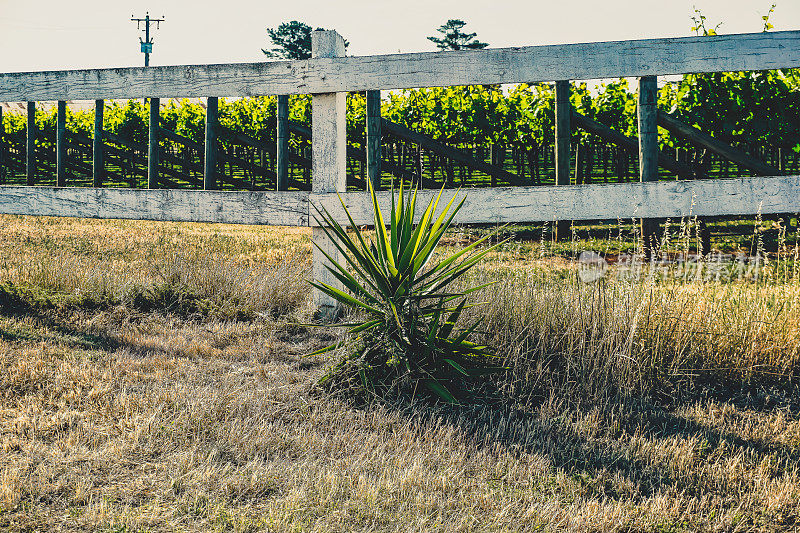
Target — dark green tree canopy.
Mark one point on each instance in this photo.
(291, 40)
(455, 39)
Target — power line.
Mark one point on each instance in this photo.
(147, 43)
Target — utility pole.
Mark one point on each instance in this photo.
(147, 43)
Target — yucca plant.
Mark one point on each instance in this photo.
(408, 333)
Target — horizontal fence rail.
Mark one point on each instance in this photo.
(649, 57)
(279, 208)
(661, 199)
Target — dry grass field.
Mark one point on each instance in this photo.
(152, 378)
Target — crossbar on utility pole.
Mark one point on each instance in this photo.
(146, 44)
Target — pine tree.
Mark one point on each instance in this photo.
(455, 39)
(291, 40)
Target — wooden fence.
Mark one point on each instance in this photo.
(329, 75)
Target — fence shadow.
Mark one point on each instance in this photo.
(609, 446)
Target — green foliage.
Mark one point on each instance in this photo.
(455, 39)
(291, 40)
(128, 120)
(185, 118)
(253, 116)
(700, 28)
(767, 24)
(614, 106)
(751, 110)
(743, 108)
(408, 333)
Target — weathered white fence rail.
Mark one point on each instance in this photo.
(278, 208)
(329, 75)
(663, 199)
(650, 57)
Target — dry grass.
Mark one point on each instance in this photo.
(642, 337)
(123, 411)
(220, 270)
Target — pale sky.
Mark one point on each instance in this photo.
(55, 35)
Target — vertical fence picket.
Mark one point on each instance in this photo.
(210, 147)
(282, 139)
(98, 165)
(152, 151)
(374, 138)
(30, 144)
(647, 116)
(562, 142)
(61, 148)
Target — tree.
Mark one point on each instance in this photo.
(291, 40)
(455, 39)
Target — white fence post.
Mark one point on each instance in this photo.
(328, 160)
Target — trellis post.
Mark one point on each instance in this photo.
(328, 161)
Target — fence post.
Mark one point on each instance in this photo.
(98, 166)
(374, 138)
(61, 149)
(328, 161)
(152, 150)
(210, 159)
(282, 138)
(563, 136)
(30, 144)
(647, 114)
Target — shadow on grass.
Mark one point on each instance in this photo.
(21, 302)
(16, 302)
(601, 446)
(55, 324)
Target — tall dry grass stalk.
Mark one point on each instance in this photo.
(686, 320)
(641, 337)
